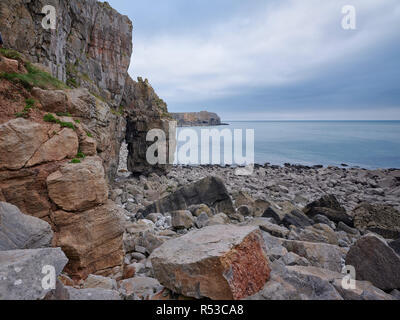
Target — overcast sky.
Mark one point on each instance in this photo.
(269, 59)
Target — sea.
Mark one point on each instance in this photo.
(364, 144)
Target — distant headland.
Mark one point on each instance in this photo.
(197, 119)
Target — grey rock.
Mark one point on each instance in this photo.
(296, 218)
(344, 227)
(381, 219)
(19, 231)
(140, 288)
(322, 219)
(376, 262)
(330, 207)
(210, 191)
(202, 220)
(93, 294)
(245, 211)
(21, 272)
(182, 219)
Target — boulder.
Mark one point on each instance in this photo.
(19, 231)
(140, 288)
(19, 140)
(221, 262)
(62, 145)
(99, 282)
(278, 210)
(78, 186)
(296, 218)
(220, 218)
(94, 294)
(294, 283)
(330, 207)
(266, 225)
(92, 239)
(182, 219)
(381, 219)
(23, 272)
(210, 191)
(320, 255)
(88, 146)
(376, 262)
(317, 233)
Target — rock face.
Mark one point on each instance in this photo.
(21, 272)
(19, 231)
(376, 262)
(145, 111)
(91, 47)
(210, 191)
(19, 140)
(381, 219)
(195, 119)
(217, 262)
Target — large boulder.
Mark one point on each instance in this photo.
(330, 207)
(320, 255)
(221, 262)
(78, 186)
(19, 140)
(210, 191)
(19, 231)
(376, 262)
(381, 219)
(92, 239)
(23, 272)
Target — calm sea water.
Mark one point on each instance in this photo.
(367, 144)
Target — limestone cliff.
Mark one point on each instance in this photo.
(91, 46)
(196, 119)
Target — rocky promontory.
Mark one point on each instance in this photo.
(196, 119)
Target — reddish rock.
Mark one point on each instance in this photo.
(92, 240)
(221, 262)
(19, 140)
(62, 145)
(8, 65)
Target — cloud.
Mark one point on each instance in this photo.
(274, 47)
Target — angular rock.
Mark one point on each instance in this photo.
(217, 262)
(94, 294)
(375, 262)
(381, 219)
(21, 272)
(202, 220)
(54, 101)
(182, 219)
(78, 187)
(220, 218)
(320, 255)
(19, 140)
(296, 218)
(92, 239)
(140, 288)
(210, 191)
(329, 206)
(278, 210)
(19, 231)
(63, 145)
(267, 226)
